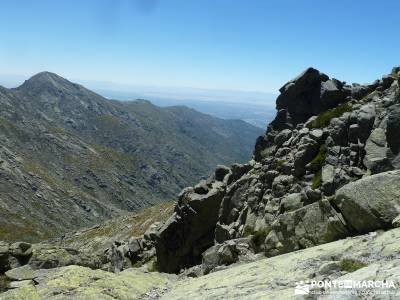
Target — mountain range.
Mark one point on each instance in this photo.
(315, 214)
(67, 151)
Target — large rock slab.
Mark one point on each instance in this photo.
(21, 273)
(377, 153)
(393, 129)
(276, 277)
(309, 94)
(372, 202)
(308, 226)
(268, 278)
(190, 230)
(74, 282)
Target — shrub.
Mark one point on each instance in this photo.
(317, 180)
(319, 159)
(325, 117)
(280, 163)
(152, 265)
(3, 283)
(316, 165)
(258, 237)
(351, 265)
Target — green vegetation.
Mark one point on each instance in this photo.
(325, 117)
(317, 164)
(3, 283)
(258, 237)
(132, 224)
(248, 230)
(317, 180)
(280, 163)
(152, 265)
(12, 130)
(319, 160)
(351, 265)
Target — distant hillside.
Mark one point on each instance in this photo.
(70, 158)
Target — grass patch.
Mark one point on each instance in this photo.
(4, 281)
(316, 164)
(247, 230)
(152, 265)
(317, 180)
(351, 265)
(280, 163)
(258, 237)
(325, 117)
(319, 160)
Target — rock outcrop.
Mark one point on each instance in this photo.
(190, 230)
(300, 189)
(309, 94)
(356, 258)
(372, 202)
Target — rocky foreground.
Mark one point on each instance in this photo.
(374, 256)
(319, 200)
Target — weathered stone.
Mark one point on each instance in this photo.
(4, 247)
(282, 137)
(339, 131)
(291, 202)
(47, 256)
(298, 229)
(377, 157)
(365, 121)
(359, 91)
(135, 247)
(21, 273)
(21, 249)
(309, 94)
(220, 172)
(74, 282)
(372, 202)
(195, 271)
(328, 176)
(316, 134)
(353, 133)
(226, 253)
(396, 222)
(190, 231)
(281, 185)
(277, 277)
(306, 151)
(329, 267)
(19, 284)
(393, 129)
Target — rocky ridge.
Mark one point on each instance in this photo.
(67, 150)
(318, 176)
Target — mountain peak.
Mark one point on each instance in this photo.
(45, 79)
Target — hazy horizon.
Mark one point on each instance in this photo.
(117, 91)
(243, 45)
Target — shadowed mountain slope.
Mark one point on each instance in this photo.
(69, 157)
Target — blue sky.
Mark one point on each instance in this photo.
(250, 45)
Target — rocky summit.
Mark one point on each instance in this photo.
(320, 200)
(70, 158)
